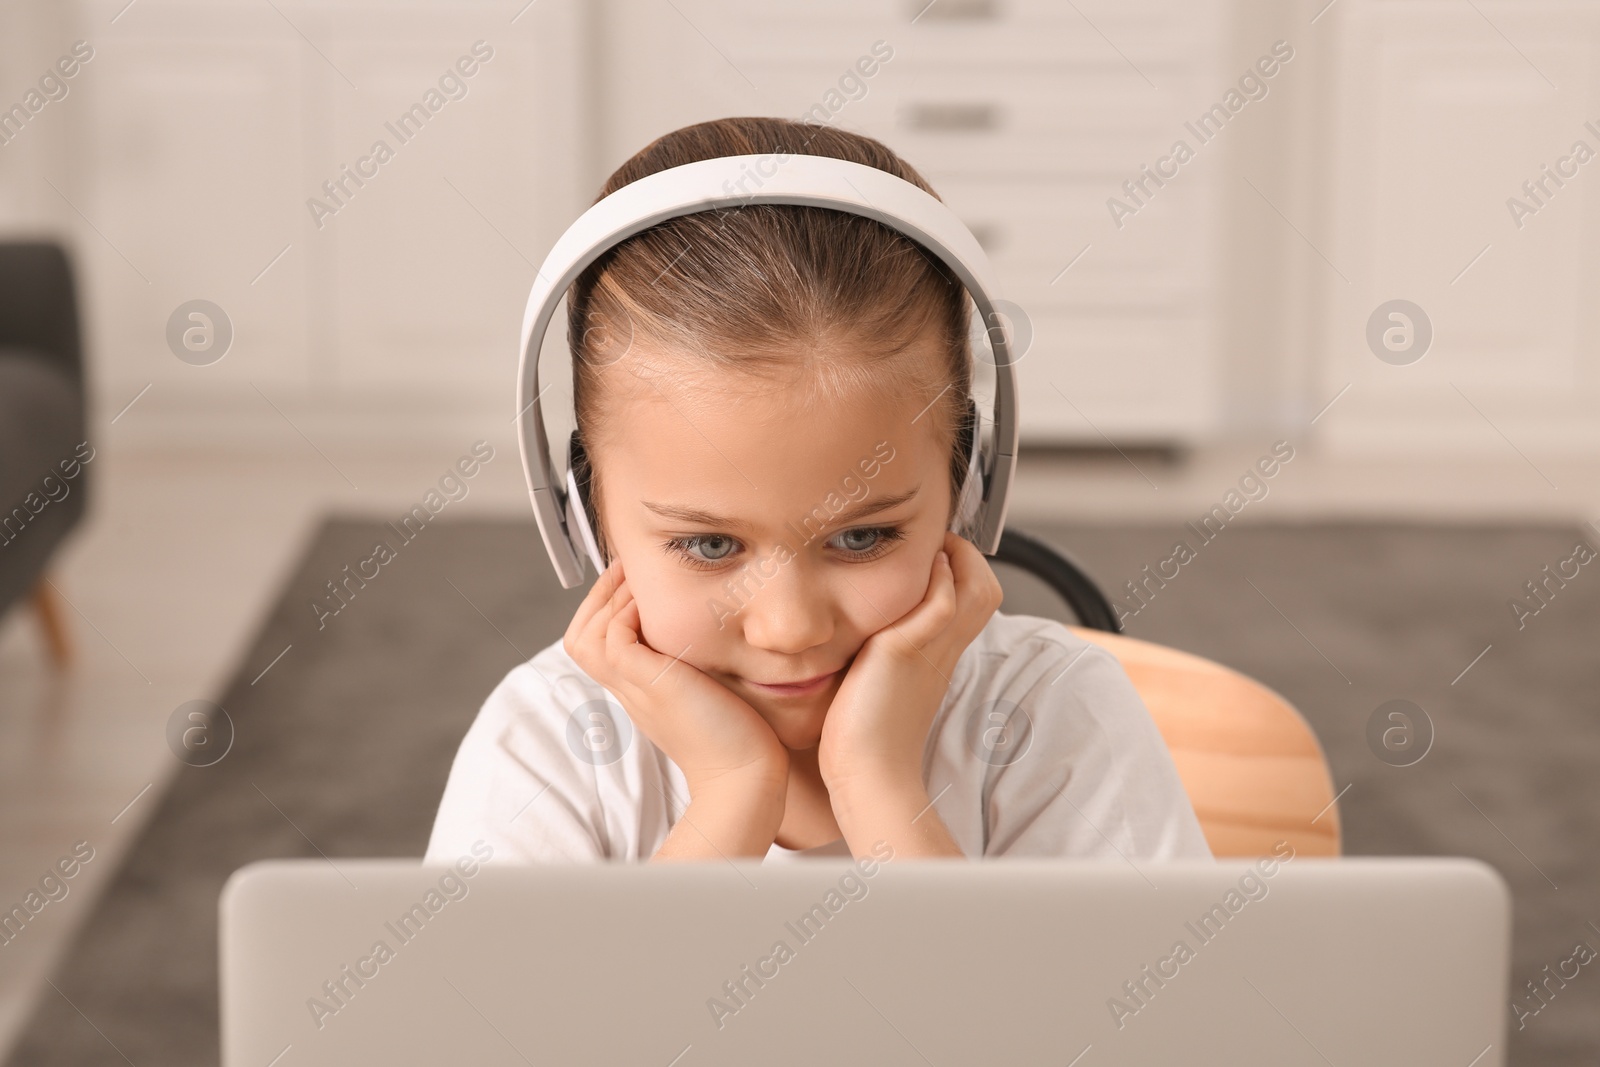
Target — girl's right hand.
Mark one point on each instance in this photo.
(715, 738)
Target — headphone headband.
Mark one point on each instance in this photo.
(718, 184)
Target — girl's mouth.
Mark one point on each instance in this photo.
(814, 685)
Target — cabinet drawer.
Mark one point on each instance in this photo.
(967, 121)
(1037, 226)
(1164, 44)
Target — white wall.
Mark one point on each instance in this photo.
(32, 38)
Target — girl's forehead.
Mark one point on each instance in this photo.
(837, 365)
(684, 429)
(727, 416)
(804, 390)
(742, 455)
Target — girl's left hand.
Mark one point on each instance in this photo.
(877, 726)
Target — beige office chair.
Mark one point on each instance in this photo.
(1253, 769)
(1251, 765)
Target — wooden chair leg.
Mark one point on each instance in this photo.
(53, 622)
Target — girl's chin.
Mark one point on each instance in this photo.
(797, 729)
(802, 744)
(796, 720)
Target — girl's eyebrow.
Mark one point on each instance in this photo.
(700, 517)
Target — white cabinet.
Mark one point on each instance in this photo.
(1027, 118)
(1440, 114)
(191, 176)
(210, 130)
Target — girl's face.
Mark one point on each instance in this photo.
(764, 540)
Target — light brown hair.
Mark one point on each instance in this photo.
(816, 297)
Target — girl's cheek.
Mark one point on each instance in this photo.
(887, 594)
(671, 618)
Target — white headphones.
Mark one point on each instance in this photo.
(564, 514)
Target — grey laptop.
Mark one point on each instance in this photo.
(907, 962)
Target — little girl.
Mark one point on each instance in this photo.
(789, 653)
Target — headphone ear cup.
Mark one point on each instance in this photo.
(580, 513)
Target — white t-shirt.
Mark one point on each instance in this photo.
(552, 770)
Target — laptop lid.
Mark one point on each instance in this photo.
(1279, 962)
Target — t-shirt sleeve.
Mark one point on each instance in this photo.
(1096, 778)
(516, 784)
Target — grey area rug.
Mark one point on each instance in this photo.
(344, 744)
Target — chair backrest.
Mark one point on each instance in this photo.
(1251, 765)
(39, 304)
(1062, 574)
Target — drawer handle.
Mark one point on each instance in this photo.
(954, 10)
(952, 118)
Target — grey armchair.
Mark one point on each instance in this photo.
(44, 450)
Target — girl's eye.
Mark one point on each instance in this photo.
(869, 542)
(706, 551)
(716, 546)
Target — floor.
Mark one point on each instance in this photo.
(184, 552)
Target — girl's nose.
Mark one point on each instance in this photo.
(790, 613)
